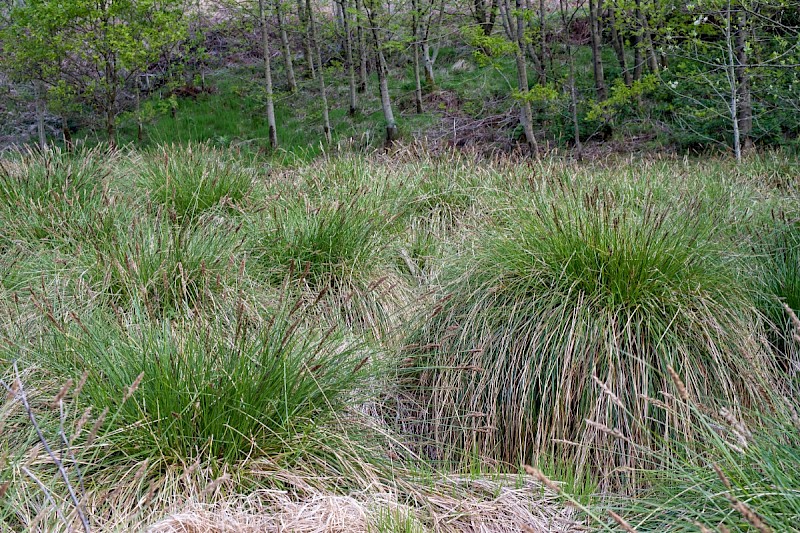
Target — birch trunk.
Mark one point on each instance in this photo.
(417, 81)
(526, 116)
(362, 49)
(285, 48)
(351, 71)
(39, 86)
(745, 112)
(392, 132)
(326, 119)
(273, 130)
(302, 14)
(619, 46)
(595, 8)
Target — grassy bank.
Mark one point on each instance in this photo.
(192, 336)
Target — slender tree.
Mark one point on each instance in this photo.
(285, 48)
(596, 32)
(273, 130)
(392, 132)
(350, 66)
(326, 119)
(362, 48)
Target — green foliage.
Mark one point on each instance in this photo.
(189, 180)
(737, 474)
(163, 267)
(577, 284)
(621, 96)
(188, 390)
(84, 51)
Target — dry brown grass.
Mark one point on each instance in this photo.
(452, 504)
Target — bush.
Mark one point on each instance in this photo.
(189, 180)
(576, 286)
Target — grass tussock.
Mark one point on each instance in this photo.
(53, 198)
(179, 391)
(736, 474)
(336, 252)
(189, 180)
(573, 294)
(165, 267)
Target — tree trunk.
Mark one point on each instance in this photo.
(573, 93)
(351, 71)
(273, 130)
(40, 108)
(733, 94)
(326, 119)
(526, 117)
(67, 134)
(545, 51)
(392, 132)
(638, 61)
(417, 80)
(428, 60)
(428, 55)
(595, 9)
(485, 15)
(619, 45)
(647, 40)
(362, 49)
(302, 14)
(285, 48)
(745, 112)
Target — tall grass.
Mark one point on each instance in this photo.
(188, 180)
(337, 252)
(163, 266)
(733, 475)
(205, 390)
(53, 198)
(572, 287)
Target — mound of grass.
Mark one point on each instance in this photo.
(186, 390)
(53, 198)
(572, 293)
(191, 179)
(779, 256)
(731, 477)
(164, 266)
(337, 252)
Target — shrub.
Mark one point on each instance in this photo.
(189, 180)
(576, 286)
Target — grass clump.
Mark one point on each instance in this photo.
(572, 294)
(732, 476)
(191, 179)
(163, 266)
(222, 394)
(337, 252)
(778, 253)
(53, 197)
